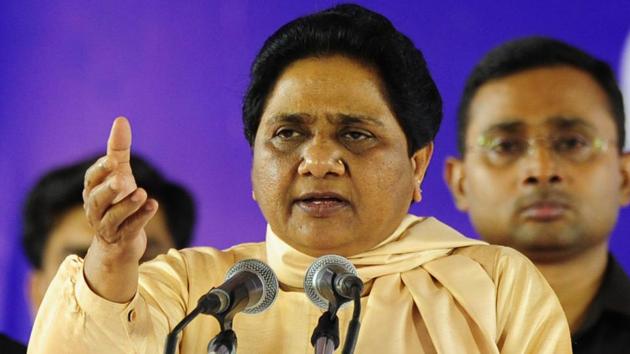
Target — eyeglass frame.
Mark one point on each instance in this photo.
(598, 144)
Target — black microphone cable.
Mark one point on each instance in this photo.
(355, 323)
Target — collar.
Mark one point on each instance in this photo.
(613, 297)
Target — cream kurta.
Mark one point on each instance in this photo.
(430, 290)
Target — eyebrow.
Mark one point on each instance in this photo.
(350, 119)
(511, 126)
(338, 118)
(296, 118)
(569, 122)
(561, 122)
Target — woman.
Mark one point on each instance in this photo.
(341, 113)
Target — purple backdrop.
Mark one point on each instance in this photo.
(178, 71)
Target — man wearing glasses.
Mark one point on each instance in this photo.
(541, 133)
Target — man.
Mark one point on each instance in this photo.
(11, 346)
(55, 226)
(541, 132)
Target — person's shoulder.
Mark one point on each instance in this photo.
(485, 252)
(614, 292)
(210, 257)
(616, 274)
(236, 253)
(496, 259)
(190, 263)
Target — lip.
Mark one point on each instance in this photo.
(321, 204)
(544, 211)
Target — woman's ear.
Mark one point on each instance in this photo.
(420, 162)
(36, 289)
(454, 176)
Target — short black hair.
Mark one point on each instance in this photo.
(360, 34)
(535, 52)
(60, 190)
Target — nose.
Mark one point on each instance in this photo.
(321, 158)
(541, 166)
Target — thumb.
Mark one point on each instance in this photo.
(119, 150)
(119, 142)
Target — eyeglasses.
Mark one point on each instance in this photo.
(574, 147)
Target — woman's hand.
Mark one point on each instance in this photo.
(117, 212)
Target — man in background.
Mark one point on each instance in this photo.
(55, 226)
(541, 133)
(11, 346)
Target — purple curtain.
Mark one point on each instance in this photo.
(178, 70)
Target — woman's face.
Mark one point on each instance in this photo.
(331, 171)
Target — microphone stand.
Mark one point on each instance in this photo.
(209, 304)
(225, 342)
(206, 304)
(325, 337)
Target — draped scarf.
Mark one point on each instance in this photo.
(417, 288)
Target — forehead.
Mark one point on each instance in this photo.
(536, 98)
(70, 234)
(72, 228)
(328, 86)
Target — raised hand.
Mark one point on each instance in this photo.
(117, 212)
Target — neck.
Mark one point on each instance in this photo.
(576, 280)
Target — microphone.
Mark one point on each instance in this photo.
(250, 286)
(330, 281)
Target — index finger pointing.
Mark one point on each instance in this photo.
(119, 143)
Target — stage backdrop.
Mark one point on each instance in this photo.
(178, 70)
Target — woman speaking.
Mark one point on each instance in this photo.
(340, 113)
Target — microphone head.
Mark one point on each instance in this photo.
(266, 276)
(336, 264)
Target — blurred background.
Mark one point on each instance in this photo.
(178, 71)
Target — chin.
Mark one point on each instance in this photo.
(546, 243)
(318, 246)
(548, 255)
(317, 231)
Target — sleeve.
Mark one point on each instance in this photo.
(73, 319)
(530, 318)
